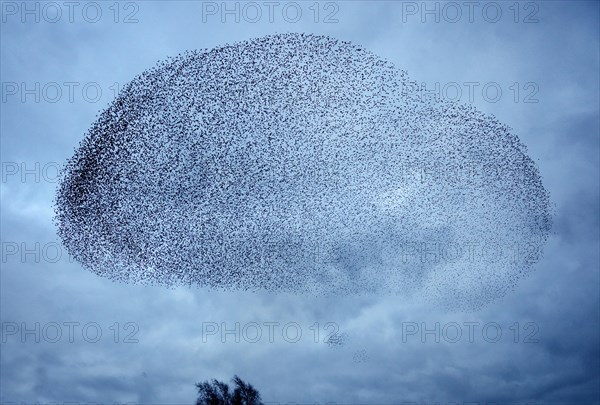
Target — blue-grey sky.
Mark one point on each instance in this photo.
(156, 343)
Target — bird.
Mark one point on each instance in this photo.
(280, 163)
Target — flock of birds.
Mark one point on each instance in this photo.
(295, 163)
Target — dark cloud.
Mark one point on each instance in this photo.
(560, 53)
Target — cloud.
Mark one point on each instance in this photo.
(560, 296)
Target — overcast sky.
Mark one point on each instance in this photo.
(155, 343)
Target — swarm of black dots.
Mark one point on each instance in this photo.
(301, 163)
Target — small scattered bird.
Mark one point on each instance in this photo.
(299, 163)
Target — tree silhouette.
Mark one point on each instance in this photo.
(218, 393)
